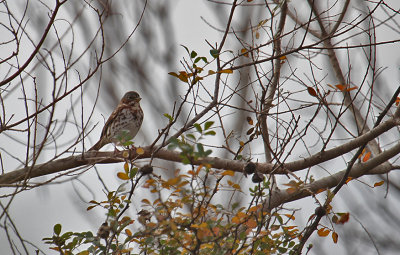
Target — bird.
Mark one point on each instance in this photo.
(123, 123)
(144, 217)
(104, 231)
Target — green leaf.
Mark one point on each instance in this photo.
(169, 117)
(207, 153)
(186, 48)
(208, 124)
(57, 229)
(211, 132)
(214, 53)
(191, 136)
(198, 127)
(200, 148)
(133, 172)
(193, 54)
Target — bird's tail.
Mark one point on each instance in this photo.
(97, 146)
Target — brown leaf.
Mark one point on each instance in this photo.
(335, 237)
(311, 91)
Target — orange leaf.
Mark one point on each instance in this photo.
(250, 121)
(323, 232)
(349, 179)
(366, 157)
(397, 101)
(376, 184)
(311, 91)
(251, 223)
(128, 232)
(244, 52)
(228, 172)
(319, 191)
(341, 87)
(282, 58)
(335, 237)
(123, 176)
(353, 88)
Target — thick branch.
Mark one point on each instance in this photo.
(90, 158)
(372, 166)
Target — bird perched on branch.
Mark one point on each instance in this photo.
(123, 123)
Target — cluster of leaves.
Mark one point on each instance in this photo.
(116, 233)
(190, 146)
(184, 218)
(195, 70)
(116, 230)
(187, 221)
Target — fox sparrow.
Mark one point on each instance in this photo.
(123, 123)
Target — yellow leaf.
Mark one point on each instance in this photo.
(83, 253)
(335, 237)
(139, 151)
(323, 232)
(126, 167)
(228, 172)
(236, 186)
(226, 71)
(291, 190)
(172, 181)
(236, 220)
(122, 176)
(282, 58)
(253, 209)
(376, 184)
(290, 216)
(210, 72)
(366, 157)
(363, 151)
(244, 52)
(349, 179)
